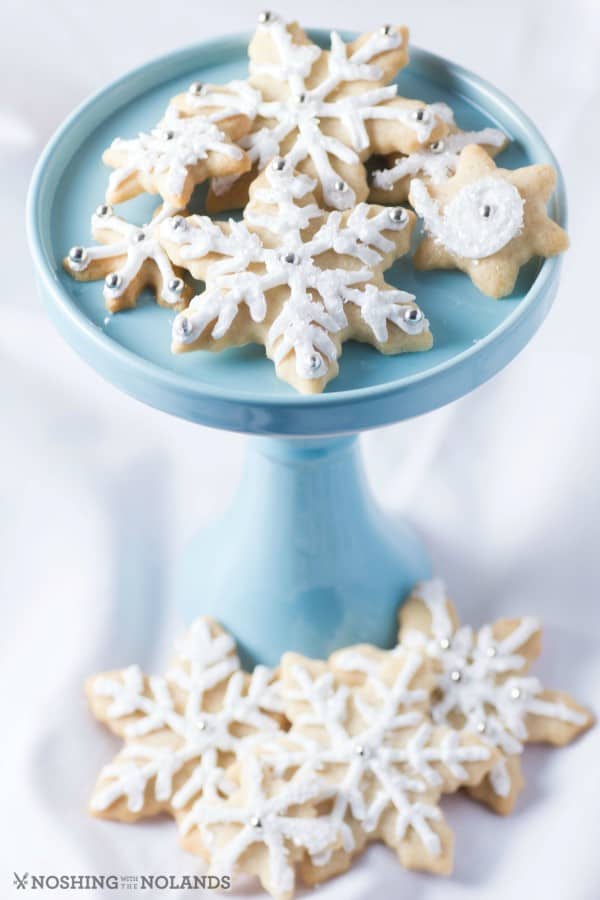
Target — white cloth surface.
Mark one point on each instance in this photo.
(98, 493)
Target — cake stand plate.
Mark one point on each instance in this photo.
(303, 560)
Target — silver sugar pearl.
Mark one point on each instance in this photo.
(437, 147)
(302, 97)
(421, 115)
(255, 822)
(196, 88)
(177, 222)
(386, 30)
(340, 186)
(360, 750)
(486, 211)
(139, 237)
(398, 215)
(278, 164)
(290, 258)
(176, 285)
(169, 134)
(455, 676)
(444, 643)
(314, 363)
(481, 727)
(413, 315)
(201, 725)
(515, 693)
(103, 210)
(77, 255)
(265, 17)
(183, 326)
(113, 281)
(491, 652)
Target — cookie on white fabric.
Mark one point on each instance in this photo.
(482, 683)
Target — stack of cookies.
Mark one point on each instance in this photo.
(303, 269)
(293, 772)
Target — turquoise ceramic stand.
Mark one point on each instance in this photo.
(304, 560)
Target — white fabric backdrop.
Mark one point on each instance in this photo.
(95, 497)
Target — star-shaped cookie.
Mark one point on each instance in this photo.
(181, 731)
(434, 163)
(375, 746)
(326, 112)
(482, 684)
(487, 221)
(179, 153)
(130, 258)
(296, 279)
(267, 827)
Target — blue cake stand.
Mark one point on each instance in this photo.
(304, 560)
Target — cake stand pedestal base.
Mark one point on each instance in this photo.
(303, 560)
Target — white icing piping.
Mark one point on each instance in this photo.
(401, 763)
(265, 818)
(137, 244)
(195, 734)
(170, 149)
(481, 680)
(481, 219)
(304, 324)
(236, 98)
(303, 109)
(438, 161)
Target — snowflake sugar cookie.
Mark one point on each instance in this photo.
(486, 221)
(482, 684)
(266, 828)
(375, 745)
(181, 731)
(129, 258)
(296, 279)
(324, 111)
(434, 163)
(179, 153)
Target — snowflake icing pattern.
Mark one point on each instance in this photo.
(438, 160)
(308, 109)
(181, 730)
(174, 156)
(130, 258)
(394, 763)
(278, 278)
(482, 685)
(278, 821)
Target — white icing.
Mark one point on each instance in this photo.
(440, 160)
(392, 750)
(137, 244)
(170, 149)
(490, 692)
(300, 113)
(235, 98)
(195, 735)
(264, 819)
(462, 227)
(317, 296)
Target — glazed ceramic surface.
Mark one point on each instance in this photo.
(304, 560)
(474, 336)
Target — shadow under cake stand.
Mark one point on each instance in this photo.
(304, 559)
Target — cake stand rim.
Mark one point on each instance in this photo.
(80, 331)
